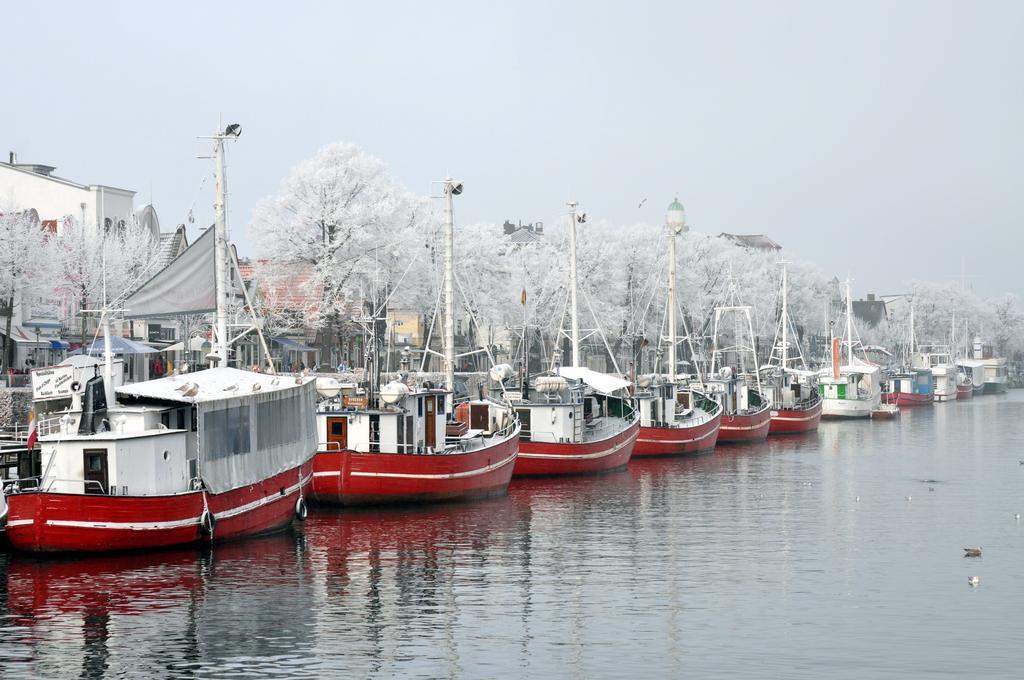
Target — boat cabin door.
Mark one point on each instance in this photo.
(430, 421)
(478, 416)
(96, 471)
(337, 433)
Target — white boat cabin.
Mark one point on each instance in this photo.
(665, 404)
(944, 373)
(420, 422)
(566, 410)
(789, 388)
(734, 395)
(216, 429)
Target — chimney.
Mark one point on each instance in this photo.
(13, 158)
(871, 297)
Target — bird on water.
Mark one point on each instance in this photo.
(972, 552)
(974, 580)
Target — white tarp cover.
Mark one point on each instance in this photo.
(601, 382)
(212, 384)
(252, 437)
(186, 286)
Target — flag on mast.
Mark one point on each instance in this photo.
(32, 431)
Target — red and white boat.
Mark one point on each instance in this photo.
(581, 421)
(413, 445)
(746, 415)
(674, 419)
(211, 455)
(410, 449)
(913, 386)
(964, 387)
(746, 411)
(796, 404)
(910, 387)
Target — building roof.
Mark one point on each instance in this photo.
(170, 246)
(752, 241)
(523, 235)
(37, 170)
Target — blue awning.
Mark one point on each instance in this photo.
(293, 345)
(59, 344)
(118, 345)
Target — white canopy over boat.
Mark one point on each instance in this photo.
(601, 382)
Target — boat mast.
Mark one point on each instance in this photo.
(849, 324)
(220, 354)
(573, 285)
(676, 225)
(910, 359)
(451, 188)
(785, 320)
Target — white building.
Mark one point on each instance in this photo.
(24, 186)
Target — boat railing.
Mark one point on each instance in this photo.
(25, 484)
(21, 484)
(86, 484)
(463, 444)
(47, 426)
(330, 447)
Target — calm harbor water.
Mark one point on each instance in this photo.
(755, 561)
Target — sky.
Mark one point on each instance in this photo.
(880, 140)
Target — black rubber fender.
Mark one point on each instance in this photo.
(301, 511)
(207, 522)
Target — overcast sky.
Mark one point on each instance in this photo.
(879, 140)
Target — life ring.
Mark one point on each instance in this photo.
(208, 522)
(301, 511)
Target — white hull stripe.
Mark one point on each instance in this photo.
(745, 427)
(677, 441)
(171, 524)
(581, 456)
(19, 522)
(795, 420)
(450, 475)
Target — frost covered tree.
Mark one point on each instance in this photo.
(93, 268)
(351, 223)
(24, 267)
(1007, 324)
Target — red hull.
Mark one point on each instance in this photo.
(789, 421)
(964, 391)
(670, 441)
(541, 459)
(353, 478)
(906, 399)
(745, 428)
(61, 522)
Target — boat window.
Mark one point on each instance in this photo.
(182, 414)
(165, 419)
(440, 403)
(226, 432)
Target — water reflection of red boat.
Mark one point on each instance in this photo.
(133, 583)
